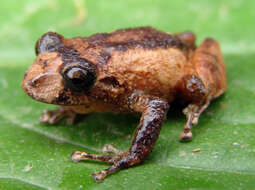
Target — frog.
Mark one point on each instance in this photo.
(140, 70)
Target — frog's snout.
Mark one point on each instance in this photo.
(42, 86)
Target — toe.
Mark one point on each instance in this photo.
(76, 156)
(185, 137)
(99, 176)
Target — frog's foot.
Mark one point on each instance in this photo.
(55, 116)
(118, 161)
(192, 112)
(111, 159)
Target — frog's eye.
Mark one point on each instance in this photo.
(49, 42)
(79, 76)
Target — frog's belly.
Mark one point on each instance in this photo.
(156, 72)
(100, 107)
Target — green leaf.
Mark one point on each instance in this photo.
(37, 156)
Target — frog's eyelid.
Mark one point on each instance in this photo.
(80, 63)
(49, 42)
(68, 66)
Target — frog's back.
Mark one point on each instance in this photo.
(145, 59)
(141, 37)
(141, 58)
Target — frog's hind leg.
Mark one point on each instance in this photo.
(54, 116)
(192, 112)
(204, 80)
(193, 91)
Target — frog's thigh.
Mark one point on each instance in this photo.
(207, 82)
(209, 65)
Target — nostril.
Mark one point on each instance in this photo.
(32, 83)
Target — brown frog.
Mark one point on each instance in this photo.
(136, 70)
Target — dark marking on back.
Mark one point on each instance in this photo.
(142, 37)
(68, 54)
(96, 39)
(103, 57)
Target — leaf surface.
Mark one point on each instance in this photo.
(37, 156)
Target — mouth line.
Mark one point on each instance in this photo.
(31, 94)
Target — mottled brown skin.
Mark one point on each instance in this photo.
(137, 70)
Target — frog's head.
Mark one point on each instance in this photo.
(59, 75)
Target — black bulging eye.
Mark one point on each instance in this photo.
(79, 77)
(49, 42)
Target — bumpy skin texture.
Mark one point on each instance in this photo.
(137, 70)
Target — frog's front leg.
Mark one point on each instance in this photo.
(153, 113)
(54, 116)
